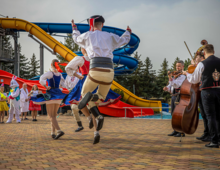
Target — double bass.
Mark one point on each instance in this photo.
(185, 116)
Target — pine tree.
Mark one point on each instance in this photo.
(173, 67)
(24, 67)
(7, 46)
(149, 80)
(69, 43)
(34, 67)
(162, 80)
(136, 78)
(187, 63)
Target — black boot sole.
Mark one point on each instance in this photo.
(79, 129)
(53, 136)
(202, 138)
(85, 100)
(100, 124)
(212, 146)
(96, 139)
(59, 135)
(206, 140)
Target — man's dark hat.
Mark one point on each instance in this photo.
(99, 18)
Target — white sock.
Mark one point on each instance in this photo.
(52, 133)
(100, 116)
(59, 131)
(96, 133)
(89, 117)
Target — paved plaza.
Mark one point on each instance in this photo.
(125, 144)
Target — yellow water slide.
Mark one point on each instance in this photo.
(19, 24)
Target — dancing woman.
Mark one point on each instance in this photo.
(53, 97)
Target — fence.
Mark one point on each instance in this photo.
(147, 112)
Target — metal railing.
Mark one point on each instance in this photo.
(141, 109)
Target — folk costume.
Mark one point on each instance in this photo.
(207, 73)
(74, 96)
(3, 104)
(52, 98)
(99, 46)
(74, 85)
(14, 96)
(174, 88)
(24, 105)
(205, 136)
(54, 80)
(33, 106)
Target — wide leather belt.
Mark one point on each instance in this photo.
(99, 82)
(101, 62)
(99, 69)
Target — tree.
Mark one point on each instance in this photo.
(173, 67)
(24, 65)
(7, 48)
(150, 88)
(187, 63)
(136, 78)
(34, 67)
(69, 43)
(162, 80)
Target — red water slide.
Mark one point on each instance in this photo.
(5, 77)
(118, 110)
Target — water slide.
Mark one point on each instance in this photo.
(5, 77)
(127, 62)
(118, 110)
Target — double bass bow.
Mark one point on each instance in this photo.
(185, 116)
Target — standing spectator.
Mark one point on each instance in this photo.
(3, 104)
(24, 102)
(34, 107)
(8, 103)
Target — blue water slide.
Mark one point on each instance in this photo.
(126, 64)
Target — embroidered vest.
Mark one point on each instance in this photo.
(84, 70)
(211, 74)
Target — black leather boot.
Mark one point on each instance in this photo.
(207, 139)
(80, 127)
(212, 145)
(89, 96)
(96, 139)
(173, 133)
(100, 119)
(202, 137)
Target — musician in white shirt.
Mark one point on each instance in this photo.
(174, 88)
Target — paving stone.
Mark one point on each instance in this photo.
(125, 144)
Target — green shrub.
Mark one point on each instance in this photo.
(120, 92)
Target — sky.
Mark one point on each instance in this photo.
(161, 25)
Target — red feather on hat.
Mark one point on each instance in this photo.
(57, 67)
